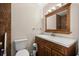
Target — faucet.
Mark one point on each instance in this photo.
(52, 34)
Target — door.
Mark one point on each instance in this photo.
(5, 24)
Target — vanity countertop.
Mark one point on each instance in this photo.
(64, 41)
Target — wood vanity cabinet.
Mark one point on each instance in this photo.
(47, 48)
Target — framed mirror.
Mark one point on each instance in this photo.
(58, 21)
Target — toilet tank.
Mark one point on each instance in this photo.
(20, 44)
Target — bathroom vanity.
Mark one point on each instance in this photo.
(55, 46)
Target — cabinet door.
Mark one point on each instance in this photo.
(55, 53)
(47, 51)
(40, 51)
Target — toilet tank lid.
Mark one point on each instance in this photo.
(18, 40)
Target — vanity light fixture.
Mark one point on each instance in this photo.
(64, 3)
(56, 7)
(59, 5)
(53, 8)
(49, 10)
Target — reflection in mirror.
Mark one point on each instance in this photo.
(61, 20)
(51, 22)
(58, 21)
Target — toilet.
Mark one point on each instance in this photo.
(20, 46)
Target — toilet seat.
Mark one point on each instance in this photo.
(23, 52)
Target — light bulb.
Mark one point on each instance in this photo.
(53, 8)
(49, 10)
(64, 3)
(59, 5)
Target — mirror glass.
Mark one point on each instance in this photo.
(51, 22)
(57, 21)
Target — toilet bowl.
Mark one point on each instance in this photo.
(21, 47)
(23, 52)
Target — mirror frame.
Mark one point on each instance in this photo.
(65, 7)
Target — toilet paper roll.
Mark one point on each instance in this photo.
(35, 46)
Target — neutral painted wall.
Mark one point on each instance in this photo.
(26, 22)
